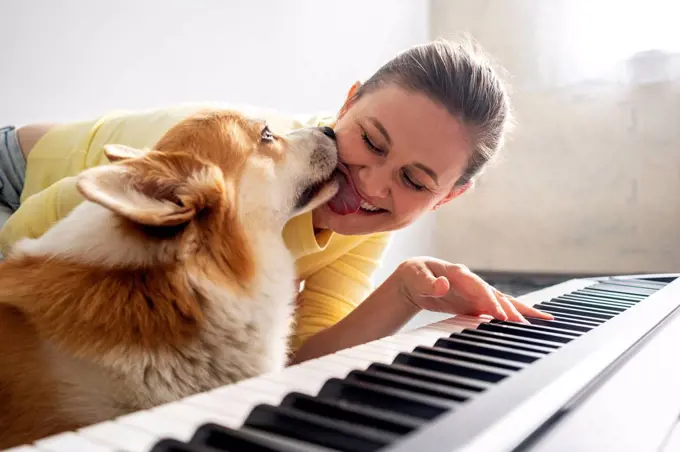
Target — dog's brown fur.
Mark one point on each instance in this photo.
(82, 341)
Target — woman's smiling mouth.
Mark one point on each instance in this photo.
(348, 200)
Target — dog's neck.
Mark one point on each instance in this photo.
(93, 235)
(87, 258)
(90, 234)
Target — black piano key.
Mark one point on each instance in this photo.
(588, 315)
(612, 295)
(562, 324)
(592, 312)
(464, 369)
(484, 337)
(214, 438)
(510, 337)
(356, 414)
(560, 316)
(173, 445)
(594, 306)
(587, 305)
(600, 298)
(598, 302)
(384, 398)
(509, 329)
(543, 328)
(627, 291)
(410, 384)
(622, 290)
(458, 355)
(455, 381)
(645, 284)
(334, 434)
(467, 345)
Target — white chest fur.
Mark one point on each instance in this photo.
(241, 337)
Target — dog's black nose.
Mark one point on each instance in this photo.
(328, 132)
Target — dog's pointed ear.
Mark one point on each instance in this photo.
(152, 193)
(114, 188)
(118, 152)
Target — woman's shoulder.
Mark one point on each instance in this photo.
(161, 118)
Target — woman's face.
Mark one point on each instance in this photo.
(402, 154)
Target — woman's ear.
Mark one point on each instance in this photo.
(455, 192)
(351, 97)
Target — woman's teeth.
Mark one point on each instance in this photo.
(369, 207)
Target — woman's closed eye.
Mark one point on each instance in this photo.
(411, 182)
(369, 144)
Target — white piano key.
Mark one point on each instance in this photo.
(295, 374)
(158, 425)
(425, 335)
(23, 449)
(198, 416)
(393, 347)
(329, 363)
(120, 436)
(246, 394)
(226, 406)
(365, 357)
(341, 372)
(258, 385)
(405, 340)
(69, 442)
(456, 324)
(307, 383)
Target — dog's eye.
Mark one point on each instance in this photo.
(266, 134)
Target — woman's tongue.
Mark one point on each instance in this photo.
(347, 200)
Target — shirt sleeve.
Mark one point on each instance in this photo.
(40, 211)
(335, 290)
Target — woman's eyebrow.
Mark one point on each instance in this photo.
(428, 171)
(378, 125)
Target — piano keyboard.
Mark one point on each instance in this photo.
(464, 383)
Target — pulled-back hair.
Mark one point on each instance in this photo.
(460, 78)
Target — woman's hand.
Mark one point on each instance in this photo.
(419, 283)
(436, 285)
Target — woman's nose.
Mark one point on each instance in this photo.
(375, 182)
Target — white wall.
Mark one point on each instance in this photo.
(78, 58)
(590, 181)
(75, 58)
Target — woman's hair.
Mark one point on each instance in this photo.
(460, 78)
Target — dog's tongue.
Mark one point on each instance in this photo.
(347, 200)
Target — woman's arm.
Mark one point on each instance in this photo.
(417, 284)
(30, 134)
(380, 315)
(40, 212)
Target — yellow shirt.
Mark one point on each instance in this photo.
(336, 269)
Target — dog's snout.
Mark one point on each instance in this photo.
(330, 133)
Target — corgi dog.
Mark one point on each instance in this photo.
(169, 279)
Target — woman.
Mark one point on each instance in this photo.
(413, 138)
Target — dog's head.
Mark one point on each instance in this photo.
(216, 160)
(210, 179)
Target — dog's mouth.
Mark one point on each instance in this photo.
(319, 192)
